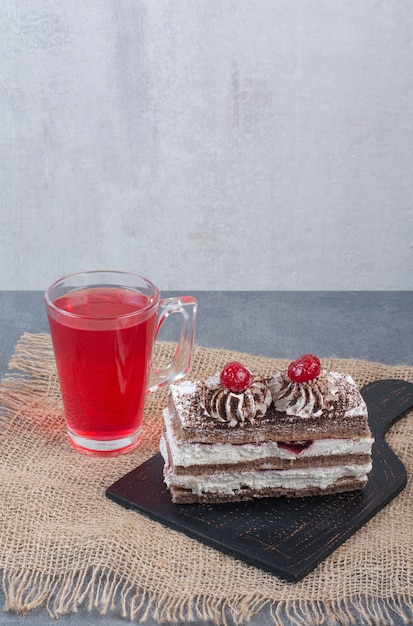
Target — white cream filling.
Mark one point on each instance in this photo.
(186, 454)
(321, 477)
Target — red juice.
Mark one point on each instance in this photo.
(103, 343)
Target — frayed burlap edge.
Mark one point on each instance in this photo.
(97, 591)
(31, 390)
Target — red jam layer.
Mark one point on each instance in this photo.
(295, 447)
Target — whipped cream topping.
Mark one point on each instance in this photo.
(232, 407)
(305, 399)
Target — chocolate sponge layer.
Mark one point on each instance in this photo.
(185, 496)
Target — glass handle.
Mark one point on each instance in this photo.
(181, 361)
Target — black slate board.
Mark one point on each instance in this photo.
(288, 537)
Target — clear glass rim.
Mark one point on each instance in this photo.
(117, 282)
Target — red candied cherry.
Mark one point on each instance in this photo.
(304, 369)
(235, 377)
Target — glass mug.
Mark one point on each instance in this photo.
(103, 327)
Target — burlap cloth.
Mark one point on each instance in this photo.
(65, 545)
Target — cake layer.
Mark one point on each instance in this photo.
(346, 418)
(234, 487)
(185, 496)
(186, 455)
(267, 463)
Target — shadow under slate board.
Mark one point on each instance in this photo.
(288, 537)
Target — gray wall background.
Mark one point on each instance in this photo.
(208, 144)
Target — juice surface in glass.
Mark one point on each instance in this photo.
(103, 342)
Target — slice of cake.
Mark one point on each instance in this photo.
(236, 436)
